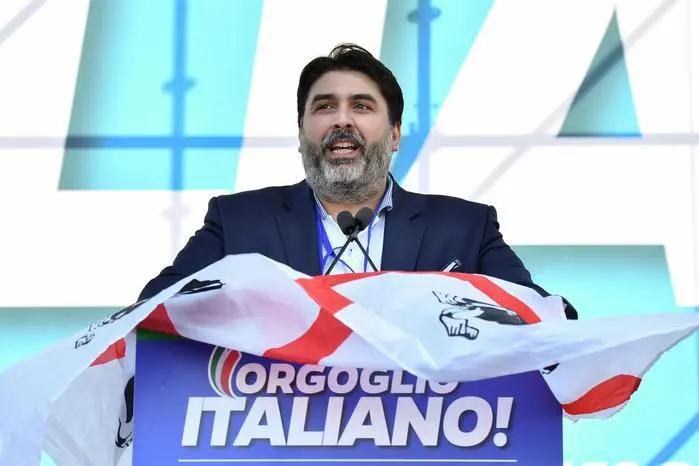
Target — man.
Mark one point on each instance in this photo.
(349, 118)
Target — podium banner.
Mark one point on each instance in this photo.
(201, 404)
(442, 327)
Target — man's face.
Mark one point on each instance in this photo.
(345, 138)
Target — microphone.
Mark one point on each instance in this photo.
(347, 224)
(363, 219)
(351, 226)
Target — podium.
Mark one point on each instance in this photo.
(199, 404)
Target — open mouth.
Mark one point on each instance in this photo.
(343, 148)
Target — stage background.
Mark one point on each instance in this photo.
(578, 120)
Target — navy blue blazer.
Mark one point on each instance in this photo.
(422, 233)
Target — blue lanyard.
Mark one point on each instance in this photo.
(324, 244)
(324, 241)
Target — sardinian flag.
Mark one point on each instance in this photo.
(441, 326)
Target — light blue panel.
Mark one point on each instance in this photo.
(210, 168)
(123, 169)
(615, 280)
(690, 449)
(425, 43)
(603, 106)
(126, 58)
(221, 43)
(166, 74)
(139, 169)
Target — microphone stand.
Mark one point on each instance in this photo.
(356, 223)
(371, 262)
(351, 237)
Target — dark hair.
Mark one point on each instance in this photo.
(353, 58)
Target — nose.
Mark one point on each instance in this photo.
(343, 119)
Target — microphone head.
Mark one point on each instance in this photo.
(364, 217)
(345, 221)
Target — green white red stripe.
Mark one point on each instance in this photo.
(221, 365)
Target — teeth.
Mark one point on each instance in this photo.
(343, 151)
(343, 145)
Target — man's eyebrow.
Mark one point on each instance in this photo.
(367, 97)
(319, 97)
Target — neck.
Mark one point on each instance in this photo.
(334, 208)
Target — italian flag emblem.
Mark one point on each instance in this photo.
(221, 365)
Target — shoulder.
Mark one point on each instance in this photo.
(268, 196)
(439, 201)
(451, 206)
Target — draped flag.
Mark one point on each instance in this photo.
(73, 399)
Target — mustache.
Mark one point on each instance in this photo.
(343, 135)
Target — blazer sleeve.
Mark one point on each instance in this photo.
(497, 259)
(205, 247)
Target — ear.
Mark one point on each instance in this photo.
(395, 136)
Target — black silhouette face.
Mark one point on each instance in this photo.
(455, 318)
(464, 308)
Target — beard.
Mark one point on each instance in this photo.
(347, 180)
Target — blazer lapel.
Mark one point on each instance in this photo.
(405, 227)
(297, 227)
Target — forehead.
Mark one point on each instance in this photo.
(344, 84)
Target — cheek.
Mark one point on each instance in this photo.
(316, 128)
(373, 131)
(308, 135)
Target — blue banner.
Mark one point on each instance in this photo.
(200, 404)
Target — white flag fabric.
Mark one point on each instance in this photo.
(447, 327)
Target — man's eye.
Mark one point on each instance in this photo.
(322, 106)
(362, 106)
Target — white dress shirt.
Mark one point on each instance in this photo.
(371, 238)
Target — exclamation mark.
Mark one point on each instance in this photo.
(502, 420)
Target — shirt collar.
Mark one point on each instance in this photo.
(385, 205)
